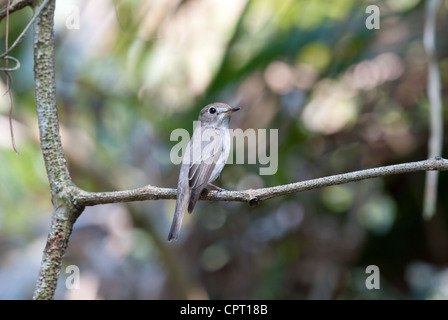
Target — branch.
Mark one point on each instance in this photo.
(65, 213)
(15, 6)
(47, 113)
(22, 36)
(435, 107)
(255, 196)
(7, 10)
(9, 80)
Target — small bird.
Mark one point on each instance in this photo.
(205, 157)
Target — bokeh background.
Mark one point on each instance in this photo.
(343, 98)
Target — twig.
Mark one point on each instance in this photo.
(255, 196)
(10, 69)
(435, 110)
(8, 78)
(15, 6)
(10, 8)
(22, 35)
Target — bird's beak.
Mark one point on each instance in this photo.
(232, 110)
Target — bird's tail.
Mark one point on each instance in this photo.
(175, 226)
(181, 206)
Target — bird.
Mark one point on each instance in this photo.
(205, 157)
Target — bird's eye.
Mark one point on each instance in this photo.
(212, 110)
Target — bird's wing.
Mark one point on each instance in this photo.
(203, 162)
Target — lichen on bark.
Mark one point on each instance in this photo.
(62, 188)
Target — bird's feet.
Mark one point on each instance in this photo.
(216, 187)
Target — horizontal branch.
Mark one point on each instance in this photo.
(255, 196)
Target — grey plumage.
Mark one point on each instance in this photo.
(203, 161)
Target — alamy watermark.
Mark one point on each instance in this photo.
(261, 145)
(72, 281)
(373, 280)
(373, 20)
(72, 19)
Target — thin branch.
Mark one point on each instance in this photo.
(22, 35)
(10, 69)
(15, 6)
(7, 10)
(435, 110)
(255, 196)
(8, 78)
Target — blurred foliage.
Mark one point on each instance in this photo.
(342, 97)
